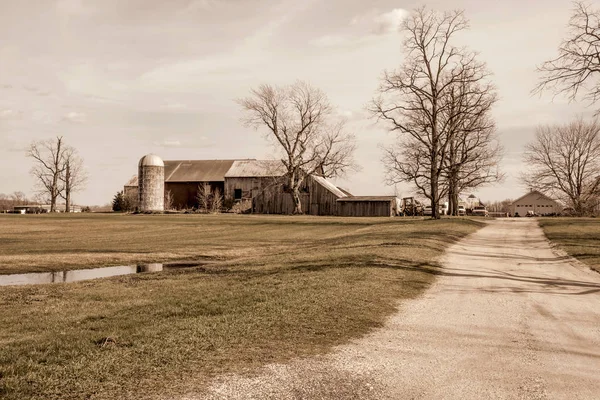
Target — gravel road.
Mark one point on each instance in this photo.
(510, 318)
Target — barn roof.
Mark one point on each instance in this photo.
(329, 186)
(133, 181)
(368, 198)
(255, 168)
(536, 192)
(196, 170)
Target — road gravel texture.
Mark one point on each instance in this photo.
(509, 318)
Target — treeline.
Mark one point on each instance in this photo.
(8, 201)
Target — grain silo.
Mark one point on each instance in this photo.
(151, 183)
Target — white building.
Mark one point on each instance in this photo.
(537, 202)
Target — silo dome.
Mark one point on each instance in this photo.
(151, 183)
(151, 160)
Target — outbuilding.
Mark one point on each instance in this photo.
(368, 206)
(537, 202)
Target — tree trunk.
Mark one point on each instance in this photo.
(68, 189)
(297, 201)
(435, 212)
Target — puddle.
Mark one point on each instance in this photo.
(76, 275)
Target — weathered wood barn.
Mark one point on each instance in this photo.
(261, 184)
(368, 206)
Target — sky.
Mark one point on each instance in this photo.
(119, 80)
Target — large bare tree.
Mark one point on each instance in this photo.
(49, 166)
(413, 100)
(299, 121)
(564, 161)
(74, 177)
(575, 70)
(474, 152)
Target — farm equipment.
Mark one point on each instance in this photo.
(410, 207)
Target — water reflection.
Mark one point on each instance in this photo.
(78, 274)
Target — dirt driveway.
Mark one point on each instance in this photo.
(508, 319)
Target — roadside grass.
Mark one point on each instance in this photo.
(284, 287)
(579, 237)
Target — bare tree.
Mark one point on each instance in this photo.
(168, 200)
(49, 166)
(474, 152)
(217, 201)
(203, 197)
(19, 198)
(564, 161)
(298, 119)
(413, 99)
(576, 67)
(500, 206)
(74, 177)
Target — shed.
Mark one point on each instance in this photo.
(368, 206)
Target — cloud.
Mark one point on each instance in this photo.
(175, 106)
(75, 117)
(365, 28)
(10, 114)
(74, 7)
(389, 22)
(168, 143)
(194, 143)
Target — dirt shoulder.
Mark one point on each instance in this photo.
(508, 318)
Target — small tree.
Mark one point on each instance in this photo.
(203, 197)
(217, 201)
(168, 200)
(118, 202)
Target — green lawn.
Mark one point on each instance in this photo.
(281, 287)
(580, 237)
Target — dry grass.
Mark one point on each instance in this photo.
(580, 237)
(287, 287)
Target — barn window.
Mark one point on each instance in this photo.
(237, 194)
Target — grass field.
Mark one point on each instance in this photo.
(580, 237)
(283, 287)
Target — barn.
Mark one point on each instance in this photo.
(535, 201)
(260, 183)
(318, 196)
(368, 206)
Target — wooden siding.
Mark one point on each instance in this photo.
(315, 199)
(250, 186)
(379, 208)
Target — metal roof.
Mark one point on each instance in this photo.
(197, 170)
(329, 186)
(256, 168)
(368, 198)
(151, 160)
(133, 181)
